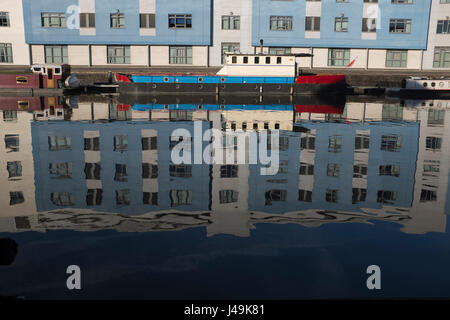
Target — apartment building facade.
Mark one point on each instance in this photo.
(362, 34)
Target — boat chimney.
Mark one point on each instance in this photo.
(261, 42)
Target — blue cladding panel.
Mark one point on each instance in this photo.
(143, 107)
(210, 79)
(418, 12)
(199, 34)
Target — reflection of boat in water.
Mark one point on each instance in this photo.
(242, 74)
(422, 87)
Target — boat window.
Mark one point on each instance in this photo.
(166, 79)
(267, 60)
(222, 79)
(433, 84)
(57, 70)
(23, 104)
(256, 60)
(245, 59)
(278, 60)
(233, 59)
(425, 84)
(200, 79)
(21, 80)
(37, 69)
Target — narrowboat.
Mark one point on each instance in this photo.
(242, 74)
(422, 87)
(38, 76)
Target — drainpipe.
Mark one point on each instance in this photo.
(30, 50)
(367, 58)
(421, 60)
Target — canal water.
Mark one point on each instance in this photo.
(359, 184)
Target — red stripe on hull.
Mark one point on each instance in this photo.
(321, 79)
(318, 109)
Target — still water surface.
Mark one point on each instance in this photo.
(365, 183)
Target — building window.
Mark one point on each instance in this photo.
(392, 112)
(60, 170)
(335, 144)
(119, 55)
(180, 197)
(341, 24)
(391, 143)
(14, 170)
(180, 170)
(12, 143)
(428, 195)
(392, 170)
(59, 143)
(180, 115)
(279, 51)
(10, 115)
(121, 174)
(228, 196)
(358, 195)
(312, 24)
(123, 197)
(331, 195)
(94, 197)
(306, 169)
(443, 27)
(6, 53)
(436, 117)
(53, 19)
(150, 198)
(308, 143)
(338, 57)
(231, 22)
(92, 144)
(87, 20)
(56, 54)
(396, 58)
(305, 195)
(281, 23)
(180, 55)
(149, 171)
(275, 195)
(229, 47)
(120, 143)
(362, 142)
(149, 143)
(4, 19)
(369, 25)
(92, 171)
(333, 170)
(441, 57)
(180, 21)
(360, 171)
(384, 196)
(433, 143)
(400, 26)
(117, 20)
(62, 199)
(431, 168)
(229, 171)
(16, 197)
(147, 20)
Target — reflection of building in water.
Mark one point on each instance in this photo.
(432, 169)
(16, 163)
(115, 167)
(372, 162)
